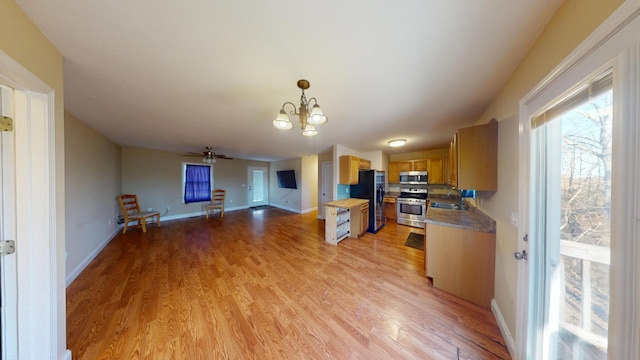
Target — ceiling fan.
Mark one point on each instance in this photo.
(209, 156)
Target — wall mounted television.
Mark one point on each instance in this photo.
(287, 179)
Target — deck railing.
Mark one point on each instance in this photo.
(587, 254)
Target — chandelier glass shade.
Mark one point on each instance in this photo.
(308, 120)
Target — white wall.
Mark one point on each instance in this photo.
(93, 181)
(310, 181)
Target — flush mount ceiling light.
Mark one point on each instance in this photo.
(397, 142)
(308, 121)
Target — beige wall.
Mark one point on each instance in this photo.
(290, 199)
(309, 183)
(23, 42)
(425, 154)
(93, 181)
(156, 177)
(572, 23)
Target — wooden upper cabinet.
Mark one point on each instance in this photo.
(412, 165)
(436, 171)
(477, 157)
(434, 167)
(349, 166)
(405, 165)
(394, 172)
(364, 164)
(453, 162)
(419, 165)
(349, 169)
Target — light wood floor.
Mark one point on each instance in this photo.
(264, 285)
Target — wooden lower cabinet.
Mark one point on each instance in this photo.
(346, 218)
(364, 218)
(390, 210)
(461, 262)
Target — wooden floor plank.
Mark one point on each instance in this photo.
(264, 284)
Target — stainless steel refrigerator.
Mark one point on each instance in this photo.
(371, 187)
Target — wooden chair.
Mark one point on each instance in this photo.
(131, 212)
(217, 202)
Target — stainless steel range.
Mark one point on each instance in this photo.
(412, 206)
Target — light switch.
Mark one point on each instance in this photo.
(514, 218)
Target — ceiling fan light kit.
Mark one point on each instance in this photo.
(208, 156)
(308, 120)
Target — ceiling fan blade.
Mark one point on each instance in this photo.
(220, 156)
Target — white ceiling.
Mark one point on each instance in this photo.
(182, 75)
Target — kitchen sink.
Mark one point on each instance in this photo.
(446, 206)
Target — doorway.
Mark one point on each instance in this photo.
(571, 147)
(39, 258)
(326, 187)
(258, 186)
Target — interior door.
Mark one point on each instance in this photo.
(326, 187)
(258, 189)
(569, 255)
(8, 273)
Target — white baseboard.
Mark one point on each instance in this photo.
(67, 355)
(74, 274)
(194, 214)
(506, 334)
(306, 211)
(286, 208)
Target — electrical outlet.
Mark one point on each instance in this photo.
(109, 221)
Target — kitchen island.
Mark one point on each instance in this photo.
(460, 253)
(346, 218)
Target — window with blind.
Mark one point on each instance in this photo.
(197, 183)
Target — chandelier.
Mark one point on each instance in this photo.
(308, 120)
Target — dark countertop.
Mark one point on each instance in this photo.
(392, 194)
(472, 219)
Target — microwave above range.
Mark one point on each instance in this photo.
(413, 177)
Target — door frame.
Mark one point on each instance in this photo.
(8, 276)
(40, 258)
(326, 165)
(594, 54)
(250, 184)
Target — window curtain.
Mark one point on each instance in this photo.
(197, 184)
(624, 316)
